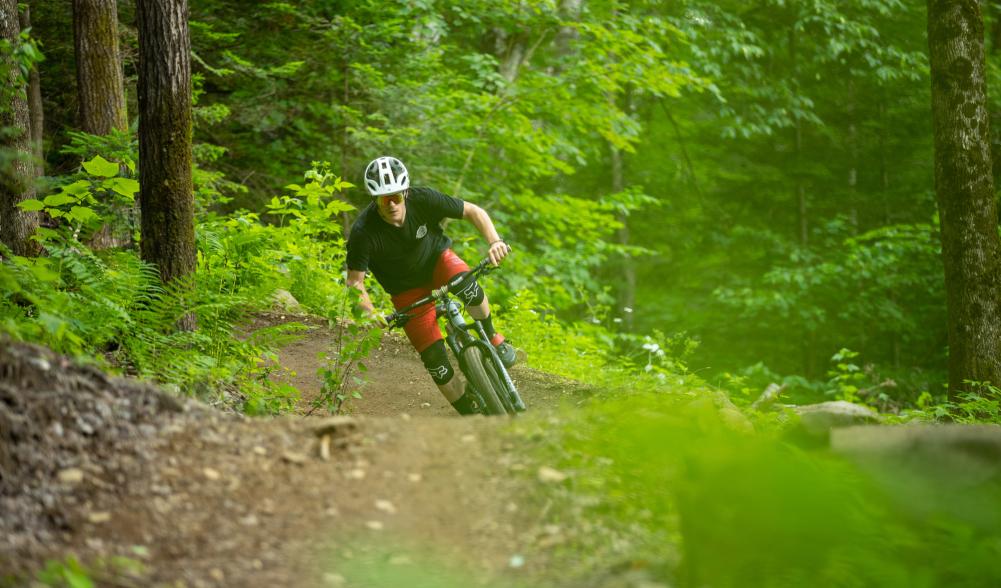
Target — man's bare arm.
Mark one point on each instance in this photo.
(481, 220)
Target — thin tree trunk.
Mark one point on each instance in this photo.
(809, 337)
(804, 227)
(570, 11)
(681, 145)
(853, 198)
(964, 189)
(853, 157)
(627, 285)
(884, 187)
(345, 100)
(165, 194)
(100, 84)
(16, 181)
(513, 52)
(35, 105)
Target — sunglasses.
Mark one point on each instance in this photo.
(394, 198)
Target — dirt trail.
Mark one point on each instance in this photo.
(398, 383)
(409, 492)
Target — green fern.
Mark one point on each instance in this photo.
(111, 306)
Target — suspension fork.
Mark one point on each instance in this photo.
(483, 343)
(454, 325)
(457, 339)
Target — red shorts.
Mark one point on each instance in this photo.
(423, 329)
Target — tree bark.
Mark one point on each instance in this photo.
(964, 189)
(99, 77)
(16, 181)
(165, 195)
(35, 111)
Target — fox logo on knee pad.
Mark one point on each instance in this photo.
(438, 373)
(471, 293)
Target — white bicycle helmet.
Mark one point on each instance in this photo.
(386, 175)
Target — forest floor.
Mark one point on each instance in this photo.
(144, 489)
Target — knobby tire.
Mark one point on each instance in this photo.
(477, 372)
(493, 371)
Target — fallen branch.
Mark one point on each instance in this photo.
(768, 397)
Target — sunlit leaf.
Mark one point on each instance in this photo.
(82, 213)
(59, 199)
(125, 186)
(101, 167)
(31, 205)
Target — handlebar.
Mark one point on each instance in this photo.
(400, 317)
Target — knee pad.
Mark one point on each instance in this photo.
(436, 361)
(471, 294)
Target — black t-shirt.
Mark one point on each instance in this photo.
(402, 258)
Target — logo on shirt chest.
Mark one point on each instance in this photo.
(422, 230)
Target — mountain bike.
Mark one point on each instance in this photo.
(478, 360)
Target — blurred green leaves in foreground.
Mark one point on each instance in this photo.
(759, 510)
(660, 492)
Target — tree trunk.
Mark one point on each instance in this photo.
(345, 102)
(16, 181)
(964, 189)
(808, 336)
(99, 77)
(884, 191)
(854, 164)
(35, 106)
(510, 52)
(627, 286)
(165, 194)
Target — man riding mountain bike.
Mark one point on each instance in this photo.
(398, 237)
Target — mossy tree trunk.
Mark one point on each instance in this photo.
(100, 84)
(165, 194)
(17, 177)
(964, 188)
(35, 105)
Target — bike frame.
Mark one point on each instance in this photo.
(458, 333)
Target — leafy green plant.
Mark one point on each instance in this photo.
(354, 340)
(551, 345)
(979, 402)
(66, 573)
(16, 61)
(69, 572)
(845, 376)
(100, 197)
(116, 145)
(112, 306)
(310, 239)
(655, 353)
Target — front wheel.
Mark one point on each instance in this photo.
(475, 370)
(500, 386)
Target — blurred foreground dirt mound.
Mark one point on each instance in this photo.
(64, 429)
